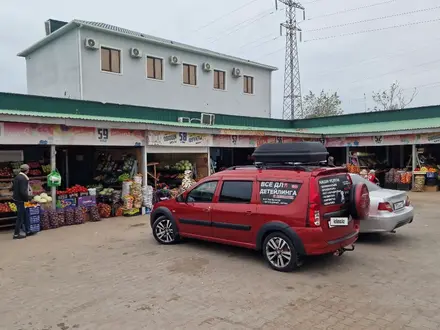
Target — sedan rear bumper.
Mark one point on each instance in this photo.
(387, 221)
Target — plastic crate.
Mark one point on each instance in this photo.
(34, 219)
(33, 211)
(35, 228)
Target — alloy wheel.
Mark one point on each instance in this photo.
(164, 231)
(278, 252)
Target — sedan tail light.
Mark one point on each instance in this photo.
(385, 207)
(408, 201)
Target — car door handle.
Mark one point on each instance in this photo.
(207, 210)
(249, 213)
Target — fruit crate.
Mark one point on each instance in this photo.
(34, 219)
(31, 211)
(35, 228)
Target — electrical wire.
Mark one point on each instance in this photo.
(243, 24)
(394, 71)
(382, 57)
(223, 16)
(372, 19)
(373, 30)
(353, 9)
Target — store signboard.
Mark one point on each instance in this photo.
(156, 138)
(97, 136)
(239, 141)
(25, 133)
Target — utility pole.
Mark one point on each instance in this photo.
(292, 103)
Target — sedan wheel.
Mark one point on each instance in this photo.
(280, 252)
(164, 231)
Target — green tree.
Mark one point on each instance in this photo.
(392, 98)
(323, 105)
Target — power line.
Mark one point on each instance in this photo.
(372, 19)
(243, 24)
(389, 55)
(353, 9)
(394, 71)
(223, 16)
(374, 30)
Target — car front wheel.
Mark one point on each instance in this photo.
(165, 231)
(280, 253)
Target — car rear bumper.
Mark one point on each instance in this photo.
(387, 222)
(326, 247)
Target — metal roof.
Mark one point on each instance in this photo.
(103, 27)
(340, 130)
(146, 121)
(378, 127)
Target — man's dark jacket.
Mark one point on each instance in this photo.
(20, 189)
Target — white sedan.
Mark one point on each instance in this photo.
(389, 209)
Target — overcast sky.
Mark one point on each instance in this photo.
(350, 65)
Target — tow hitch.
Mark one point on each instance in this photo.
(341, 251)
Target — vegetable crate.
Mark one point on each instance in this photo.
(35, 228)
(33, 211)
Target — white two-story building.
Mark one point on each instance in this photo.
(101, 62)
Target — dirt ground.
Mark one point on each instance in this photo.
(113, 275)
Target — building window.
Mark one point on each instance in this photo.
(248, 84)
(110, 60)
(219, 79)
(154, 68)
(189, 74)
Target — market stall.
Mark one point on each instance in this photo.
(11, 158)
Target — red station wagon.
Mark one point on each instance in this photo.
(289, 205)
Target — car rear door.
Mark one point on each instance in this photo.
(194, 216)
(234, 211)
(334, 191)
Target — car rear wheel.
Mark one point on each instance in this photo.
(165, 231)
(280, 253)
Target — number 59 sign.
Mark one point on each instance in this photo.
(102, 134)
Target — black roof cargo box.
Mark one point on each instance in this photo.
(296, 152)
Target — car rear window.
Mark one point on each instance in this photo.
(334, 190)
(358, 179)
(278, 192)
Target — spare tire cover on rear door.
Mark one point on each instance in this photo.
(359, 201)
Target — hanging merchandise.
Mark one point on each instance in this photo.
(54, 179)
(187, 181)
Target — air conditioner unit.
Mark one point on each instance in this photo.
(91, 43)
(207, 67)
(135, 52)
(184, 120)
(207, 119)
(236, 72)
(174, 60)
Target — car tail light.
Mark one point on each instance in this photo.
(408, 201)
(314, 213)
(385, 207)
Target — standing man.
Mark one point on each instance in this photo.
(21, 195)
(331, 162)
